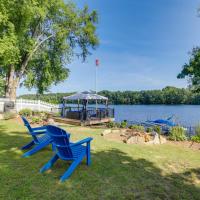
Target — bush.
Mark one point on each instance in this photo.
(36, 112)
(177, 133)
(137, 128)
(9, 115)
(117, 125)
(123, 124)
(35, 120)
(43, 115)
(197, 130)
(26, 112)
(149, 129)
(157, 129)
(110, 124)
(196, 138)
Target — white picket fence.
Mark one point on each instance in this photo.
(30, 104)
(34, 105)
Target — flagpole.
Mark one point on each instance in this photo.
(97, 63)
(96, 79)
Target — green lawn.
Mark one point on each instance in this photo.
(118, 171)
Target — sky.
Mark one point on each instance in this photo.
(143, 45)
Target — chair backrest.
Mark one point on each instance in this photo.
(60, 140)
(28, 126)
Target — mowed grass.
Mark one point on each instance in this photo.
(118, 171)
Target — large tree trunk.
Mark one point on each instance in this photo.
(11, 84)
(13, 92)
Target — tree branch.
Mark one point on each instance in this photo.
(29, 56)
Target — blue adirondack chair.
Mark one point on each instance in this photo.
(67, 151)
(40, 138)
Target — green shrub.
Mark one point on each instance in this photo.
(177, 133)
(123, 124)
(26, 112)
(137, 128)
(157, 129)
(57, 114)
(149, 129)
(197, 130)
(35, 120)
(9, 115)
(36, 112)
(196, 138)
(110, 124)
(117, 125)
(43, 115)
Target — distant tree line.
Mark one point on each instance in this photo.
(168, 96)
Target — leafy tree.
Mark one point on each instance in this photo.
(191, 70)
(38, 38)
(168, 95)
(174, 95)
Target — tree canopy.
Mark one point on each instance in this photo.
(191, 70)
(168, 96)
(38, 38)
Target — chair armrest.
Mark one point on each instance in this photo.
(86, 140)
(37, 132)
(39, 128)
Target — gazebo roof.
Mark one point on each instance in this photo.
(85, 96)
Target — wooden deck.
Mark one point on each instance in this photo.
(84, 123)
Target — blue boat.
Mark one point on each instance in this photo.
(163, 122)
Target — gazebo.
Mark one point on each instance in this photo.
(84, 113)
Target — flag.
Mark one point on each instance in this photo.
(97, 62)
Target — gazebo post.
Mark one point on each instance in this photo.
(86, 104)
(63, 109)
(107, 113)
(78, 104)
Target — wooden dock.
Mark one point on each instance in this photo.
(82, 123)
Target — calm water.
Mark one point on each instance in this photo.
(188, 115)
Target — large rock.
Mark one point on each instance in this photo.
(123, 131)
(115, 131)
(158, 139)
(162, 140)
(135, 140)
(51, 122)
(105, 132)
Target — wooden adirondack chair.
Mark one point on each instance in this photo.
(67, 151)
(40, 138)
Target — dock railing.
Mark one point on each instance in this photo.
(91, 113)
